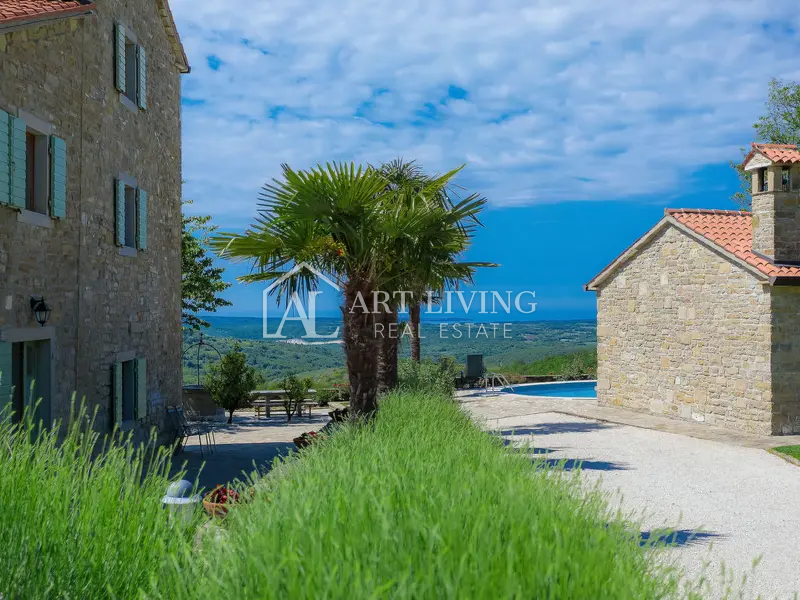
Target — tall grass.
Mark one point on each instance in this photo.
(419, 504)
(81, 515)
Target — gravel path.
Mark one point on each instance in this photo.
(739, 503)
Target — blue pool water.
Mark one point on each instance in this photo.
(571, 389)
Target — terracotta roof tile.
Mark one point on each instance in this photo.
(14, 10)
(777, 153)
(732, 231)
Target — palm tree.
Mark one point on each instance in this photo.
(341, 220)
(431, 264)
(327, 218)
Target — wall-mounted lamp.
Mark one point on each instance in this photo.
(41, 311)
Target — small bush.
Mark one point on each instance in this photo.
(420, 503)
(82, 517)
(296, 389)
(427, 376)
(327, 395)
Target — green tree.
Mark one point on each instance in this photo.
(296, 389)
(231, 381)
(341, 221)
(780, 125)
(201, 282)
(429, 262)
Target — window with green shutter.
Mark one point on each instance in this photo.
(117, 396)
(130, 77)
(6, 388)
(5, 159)
(18, 150)
(141, 92)
(141, 389)
(119, 212)
(120, 42)
(130, 390)
(58, 178)
(130, 207)
(141, 219)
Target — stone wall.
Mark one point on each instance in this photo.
(785, 359)
(682, 331)
(103, 303)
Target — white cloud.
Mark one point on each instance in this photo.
(589, 99)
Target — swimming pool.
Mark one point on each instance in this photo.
(569, 389)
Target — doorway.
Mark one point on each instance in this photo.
(30, 364)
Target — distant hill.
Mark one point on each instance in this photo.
(526, 342)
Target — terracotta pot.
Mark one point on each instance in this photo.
(215, 509)
(301, 442)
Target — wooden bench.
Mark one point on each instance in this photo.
(266, 407)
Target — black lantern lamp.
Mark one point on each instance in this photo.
(41, 311)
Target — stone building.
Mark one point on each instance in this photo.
(700, 317)
(90, 208)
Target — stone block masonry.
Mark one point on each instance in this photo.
(105, 304)
(684, 332)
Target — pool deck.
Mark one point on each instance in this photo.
(493, 406)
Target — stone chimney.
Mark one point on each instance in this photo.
(775, 169)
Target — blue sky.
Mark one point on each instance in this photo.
(580, 122)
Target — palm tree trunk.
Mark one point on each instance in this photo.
(414, 319)
(361, 349)
(386, 330)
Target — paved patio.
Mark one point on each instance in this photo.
(728, 500)
(248, 445)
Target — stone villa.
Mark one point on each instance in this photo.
(90, 208)
(700, 317)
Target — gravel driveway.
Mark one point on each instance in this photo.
(728, 504)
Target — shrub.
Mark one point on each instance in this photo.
(231, 381)
(420, 503)
(327, 395)
(79, 523)
(296, 389)
(427, 376)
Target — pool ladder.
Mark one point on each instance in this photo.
(492, 379)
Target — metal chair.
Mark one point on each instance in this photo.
(185, 430)
(192, 418)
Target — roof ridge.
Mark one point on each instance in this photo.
(710, 211)
(773, 145)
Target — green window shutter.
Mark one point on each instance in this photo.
(119, 47)
(141, 222)
(117, 393)
(18, 151)
(58, 178)
(5, 376)
(141, 388)
(141, 93)
(5, 159)
(119, 211)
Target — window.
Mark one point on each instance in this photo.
(130, 209)
(786, 179)
(763, 182)
(131, 69)
(131, 79)
(37, 172)
(128, 389)
(130, 217)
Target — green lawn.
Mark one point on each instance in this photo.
(793, 451)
